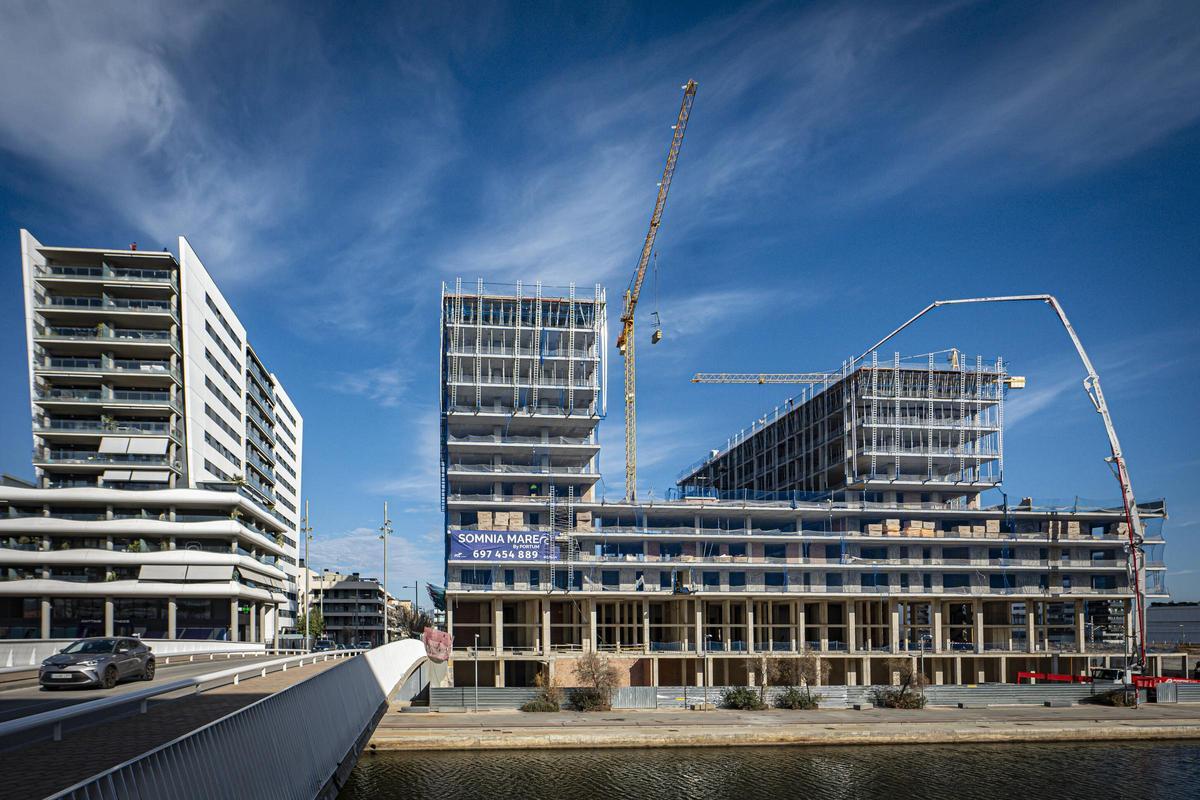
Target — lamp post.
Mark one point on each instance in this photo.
(385, 530)
(416, 587)
(704, 667)
(306, 532)
(476, 654)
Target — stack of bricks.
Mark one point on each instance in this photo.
(891, 527)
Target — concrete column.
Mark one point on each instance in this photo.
(699, 626)
(654, 672)
(449, 616)
(254, 621)
(645, 626)
(935, 614)
(978, 626)
(865, 680)
(823, 620)
(593, 644)
(1030, 629)
(980, 673)
(958, 673)
(499, 674)
(749, 626)
(851, 630)
(45, 617)
(939, 675)
(108, 616)
(1003, 669)
(233, 620)
(894, 626)
(497, 626)
(801, 635)
(171, 628)
(1080, 628)
(545, 627)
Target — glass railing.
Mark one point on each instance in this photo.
(124, 426)
(106, 272)
(110, 334)
(88, 457)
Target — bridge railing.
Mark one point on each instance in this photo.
(327, 719)
(55, 720)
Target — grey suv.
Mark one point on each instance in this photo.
(99, 662)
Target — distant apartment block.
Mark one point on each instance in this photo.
(153, 420)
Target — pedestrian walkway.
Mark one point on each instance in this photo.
(48, 767)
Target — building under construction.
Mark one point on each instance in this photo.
(850, 522)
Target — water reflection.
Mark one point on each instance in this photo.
(954, 772)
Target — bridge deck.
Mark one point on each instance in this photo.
(47, 767)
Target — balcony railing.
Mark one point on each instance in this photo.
(510, 439)
(108, 273)
(88, 457)
(79, 334)
(521, 469)
(53, 302)
(96, 426)
(104, 364)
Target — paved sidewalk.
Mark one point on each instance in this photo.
(48, 767)
(511, 729)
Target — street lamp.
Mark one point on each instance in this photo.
(385, 530)
(306, 531)
(925, 637)
(416, 587)
(704, 667)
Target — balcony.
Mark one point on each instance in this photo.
(52, 303)
(80, 426)
(90, 458)
(107, 273)
(107, 397)
(522, 469)
(106, 365)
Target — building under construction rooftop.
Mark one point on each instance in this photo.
(887, 427)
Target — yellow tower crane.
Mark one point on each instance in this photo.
(625, 343)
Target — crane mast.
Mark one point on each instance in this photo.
(625, 343)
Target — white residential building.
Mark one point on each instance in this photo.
(149, 408)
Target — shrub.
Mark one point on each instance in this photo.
(898, 698)
(742, 698)
(797, 699)
(540, 703)
(590, 699)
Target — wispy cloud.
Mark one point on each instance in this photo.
(413, 555)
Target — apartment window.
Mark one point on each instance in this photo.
(212, 387)
(664, 581)
(1066, 581)
(712, 580)
(956, 553)
(775, 550)
(535, 578)
(671, 549)
(1001, 582)
(610, 579)
(225, 426)
(775, 579)
(903, 580)
(477, 578)
(510, 578)
(833, 552)
(956, 581)
(874, 553)
(212, 306)
(927, 581)
(737, 580)
(871, 580)
(212, 334)
(1104, 583)
(737, 549)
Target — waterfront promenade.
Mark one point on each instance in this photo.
(499, 730)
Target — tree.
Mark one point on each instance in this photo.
(797, 676)
(909, 692)
(312, 624)
(597, 679)
(407, 621)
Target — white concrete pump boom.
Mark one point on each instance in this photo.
(1091, 385)
(625, 341)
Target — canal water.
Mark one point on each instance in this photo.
(954, 772)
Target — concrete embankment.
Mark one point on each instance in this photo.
(500, 730)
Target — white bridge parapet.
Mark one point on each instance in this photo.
(301, 742)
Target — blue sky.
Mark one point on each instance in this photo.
(845, 165)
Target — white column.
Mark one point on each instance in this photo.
(171, 611)
(978, 626)
(233, 620)
(936, 616)
(851, 632)
(1030, 630)
(894, 626)
(45, 617)
(545, 627)
(594, 645)
(497, 626)
(645, 625)
(1080, 628)
(749, 626)
(108, 616)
